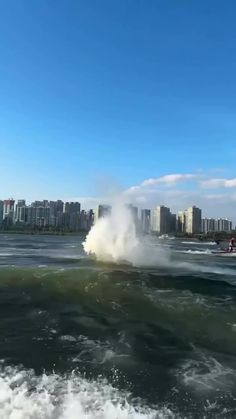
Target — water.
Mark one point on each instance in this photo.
(87, 339)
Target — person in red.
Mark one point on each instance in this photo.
(231, 244)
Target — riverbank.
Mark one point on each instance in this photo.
(43, 233)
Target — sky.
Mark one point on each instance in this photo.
(139, 93)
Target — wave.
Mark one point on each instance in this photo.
(207, 269)
(195, 252)
(23, 395)
(200, 243)
(208, 243)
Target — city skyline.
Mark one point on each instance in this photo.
(130, 92)
(106, 203)
(70, 215)
(214, 194)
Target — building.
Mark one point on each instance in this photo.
(86, 220)
(59, 219)
(161, 220)
(72, 215)
(216, 224)
(102, 211)
(72, 207)
(8, 208)
(1, 212)
(90, 215)
(146, 220)
(74, 221)
(8, 211)
(193, 220)
(30, 215)
(38, 214)
(83, 222)
(223, 224)
(173, 223)
(56, 209)
(208, 225)
(181, 227)
(42, 216)
(20, 212)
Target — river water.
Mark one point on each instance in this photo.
(85, 339)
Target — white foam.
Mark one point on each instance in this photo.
(23, 395)
(206, 373)
(208, 243)
(196, 252)
(200, 243)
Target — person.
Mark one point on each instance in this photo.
(231, 245)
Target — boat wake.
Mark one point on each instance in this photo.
(23, 395)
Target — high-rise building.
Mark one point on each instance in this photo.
(20, 211)
(86, 220)
(173, 223)
(146, 220)
(90, 216)
(161, 220)
(38, 213)
(60, 219)
(72, 215)
(56, 207)
(209, 225)
(193, 220)
(216, 224)
(66, 219)
(1, 212)
(223, 224)
(72, 207)
(102, 211)
(83, 222)
(181, 222)
(31, 215)
(8, 208)
(42, 216)
(74, 221)
(36, 204)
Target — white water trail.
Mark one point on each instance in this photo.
(114, 239)
(23, 395)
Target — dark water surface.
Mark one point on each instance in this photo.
(83, 339)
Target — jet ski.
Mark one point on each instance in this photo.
(224, 252)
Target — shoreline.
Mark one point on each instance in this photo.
(44, 233)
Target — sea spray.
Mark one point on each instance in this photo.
(114, 238)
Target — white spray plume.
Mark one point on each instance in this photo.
(113, 238)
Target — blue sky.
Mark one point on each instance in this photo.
(129, 90)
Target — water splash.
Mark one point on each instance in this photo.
(114, 238)
(23, 395)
